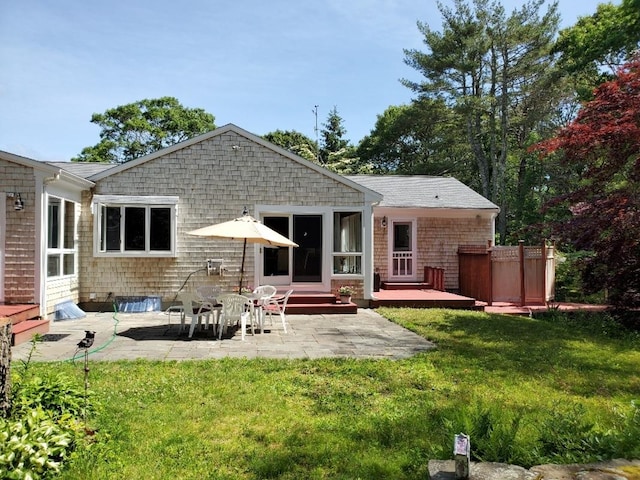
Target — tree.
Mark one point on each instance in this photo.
(486, 66)
(137, 129)
(597, 45)
(295, 142)
(332, 143)
(603, 214)
(420, 138)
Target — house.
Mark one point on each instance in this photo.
(90, 232)
(421, 220)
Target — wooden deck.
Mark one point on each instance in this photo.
(426, 298)
(19, 312)
(422, 298)
(25, 321)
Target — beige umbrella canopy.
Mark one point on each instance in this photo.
(249, 230)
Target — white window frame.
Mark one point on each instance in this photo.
(61, 251)
(348, 254)
(146, 202)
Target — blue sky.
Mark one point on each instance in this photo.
(262, 65)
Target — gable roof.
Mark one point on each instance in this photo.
(370, 195)
(83, 169)
(52, 169)
(411, 191)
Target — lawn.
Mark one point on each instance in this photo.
(527, 390)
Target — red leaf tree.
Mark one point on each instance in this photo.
(603, 143)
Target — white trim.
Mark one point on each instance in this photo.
(434, 212)
(170, 202)
(40, 260)
(414, 247)
(327, 243)
(136, 199)
(3, 229)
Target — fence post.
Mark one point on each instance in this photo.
(521, 256)
(544, 271)
(490, 270)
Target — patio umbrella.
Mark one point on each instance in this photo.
(247, 229)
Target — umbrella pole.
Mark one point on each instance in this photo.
(244, 252)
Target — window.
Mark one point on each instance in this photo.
(61, 235)
(135, 226)
(347, 243)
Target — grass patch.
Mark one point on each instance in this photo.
(527, 390)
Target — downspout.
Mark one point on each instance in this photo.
(494, 215)
(367, 269)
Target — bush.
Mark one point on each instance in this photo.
(35, 445)
(569, 286)
(52, 392)
(44, 424)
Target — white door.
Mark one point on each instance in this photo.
(402, 240)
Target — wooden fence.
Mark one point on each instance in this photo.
(517, 274)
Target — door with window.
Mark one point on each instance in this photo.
(276, 261)
(307, 257)
(402, 252)
(287, 265)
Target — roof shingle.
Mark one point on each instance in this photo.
(411, 191)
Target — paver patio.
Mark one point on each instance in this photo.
(149, 336)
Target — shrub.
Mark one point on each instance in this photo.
(44, 426)
(52, 392)
(569, 284)
(34, 445)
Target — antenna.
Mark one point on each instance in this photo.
(315, 112)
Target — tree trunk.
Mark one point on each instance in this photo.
(5, 366)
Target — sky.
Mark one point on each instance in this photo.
(261, 65)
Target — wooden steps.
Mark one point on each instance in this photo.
(24, 331)
(25, 320)
(318, 304)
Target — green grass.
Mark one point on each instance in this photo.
(527, 390)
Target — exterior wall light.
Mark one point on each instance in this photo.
(383, 222)
(18, 204)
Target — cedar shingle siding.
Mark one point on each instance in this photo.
(215, 179)
(20, 234)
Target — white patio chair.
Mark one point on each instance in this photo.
(278, 305)
(236, 308)
(208, 294)
(195, 309)
(262, 294)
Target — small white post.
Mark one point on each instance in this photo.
(462, 455)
